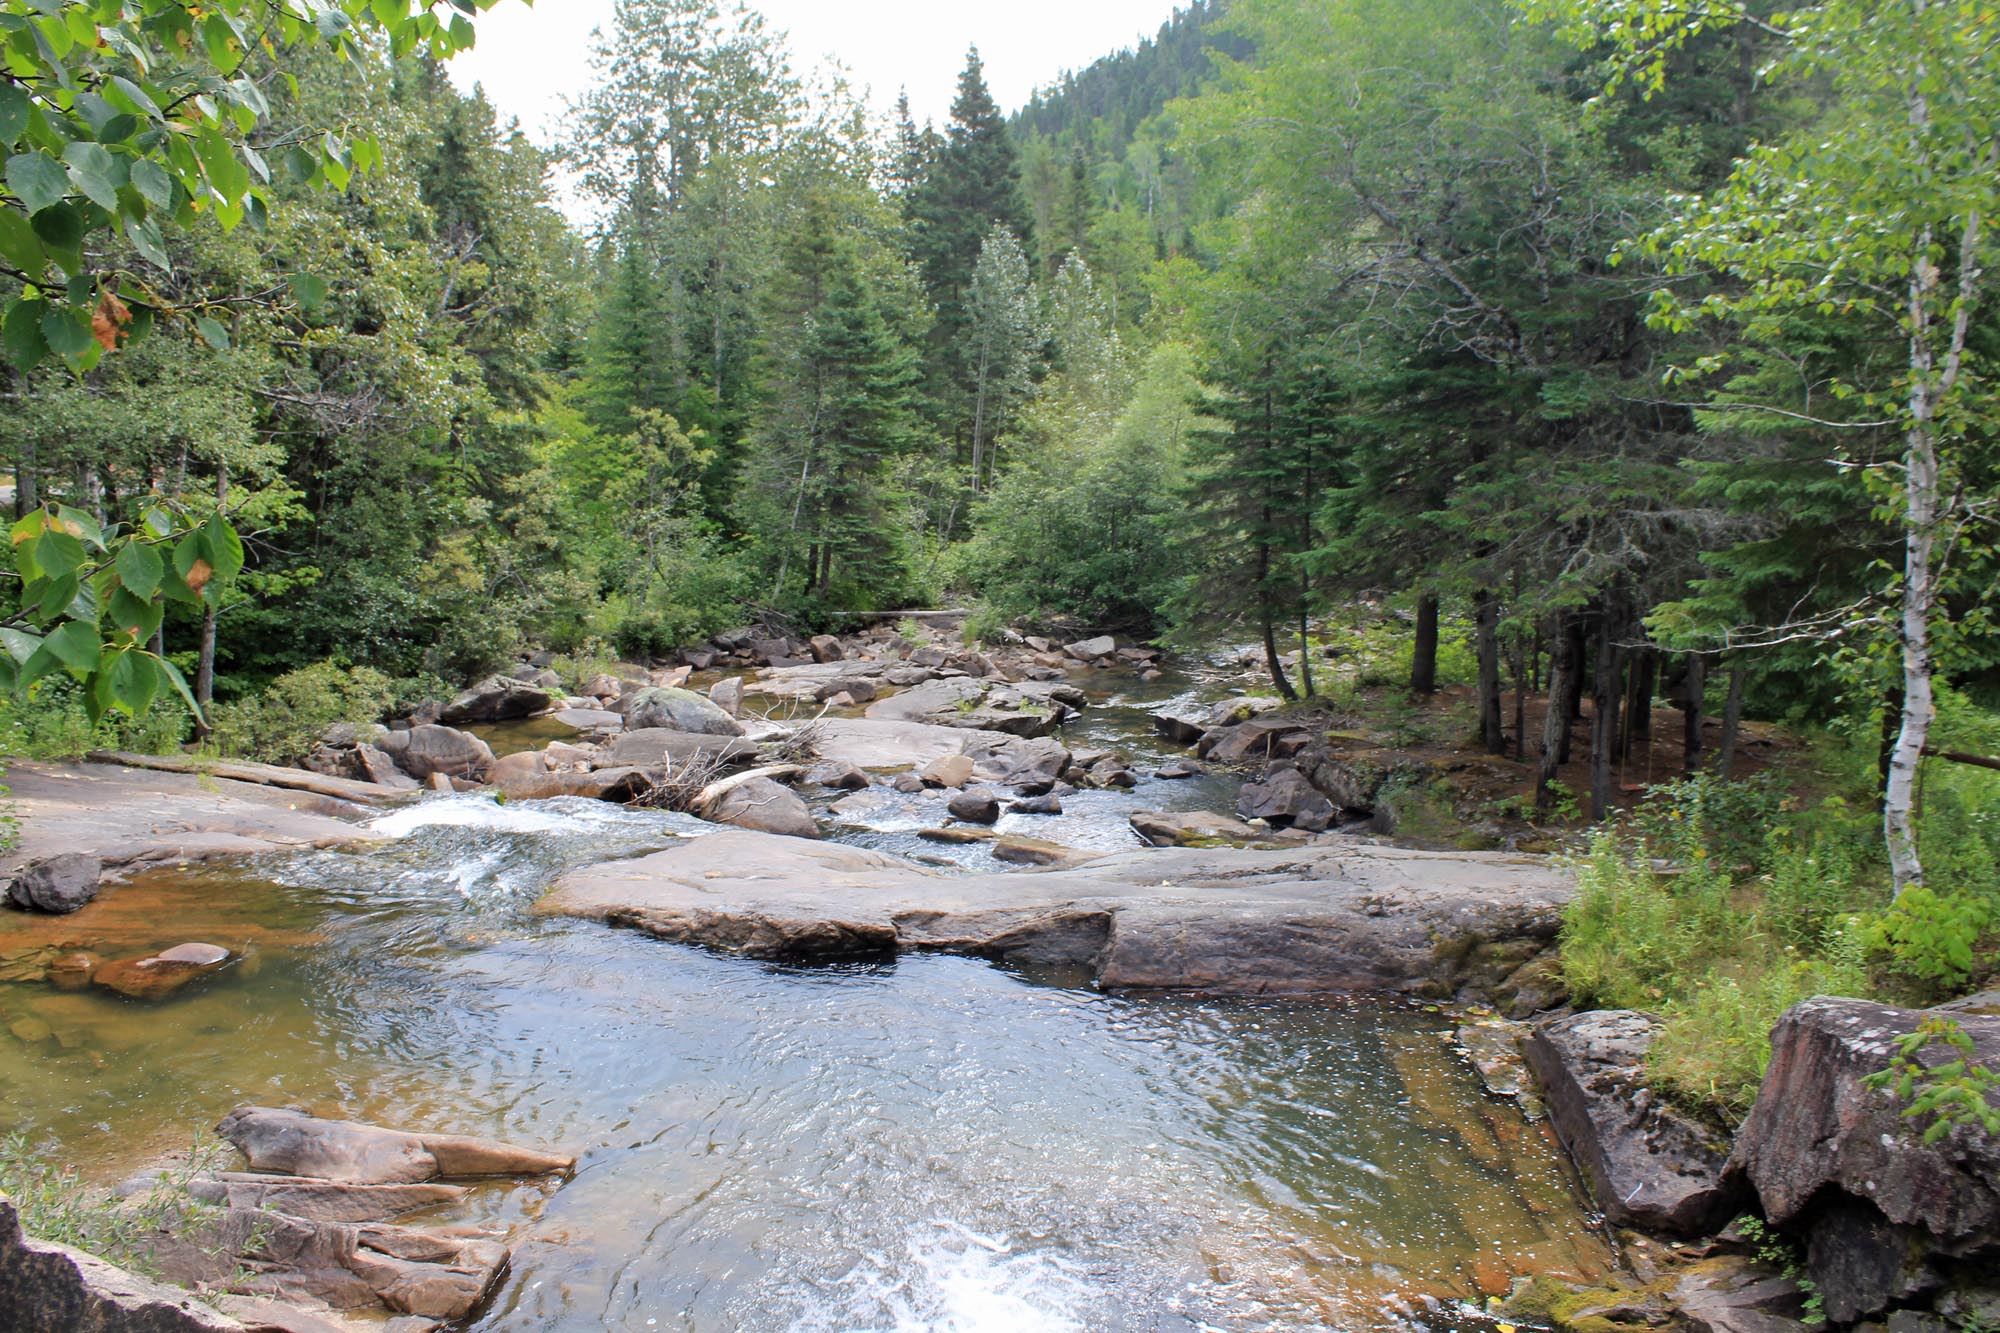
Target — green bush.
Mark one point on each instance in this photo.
(282, 724)
(50, 723)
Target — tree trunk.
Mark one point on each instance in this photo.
(1579, 656)
(1695, 685)
(204, 670)
(1424, 656)
(1645, 684)
(27, 480)
(1732, 722)
(1608, 693)
(1305, 654)
(1486, 639)
(1555, 725)
(1284, 686)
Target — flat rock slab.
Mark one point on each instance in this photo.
(1319, 919)
(293, 1143)
(129, 816)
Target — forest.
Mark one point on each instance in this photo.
(1627, 350)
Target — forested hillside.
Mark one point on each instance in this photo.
(1652, 353)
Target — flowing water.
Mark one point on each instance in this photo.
(930, 1145)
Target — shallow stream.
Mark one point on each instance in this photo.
(931, 1145)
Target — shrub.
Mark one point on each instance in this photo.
(50, 723)
(282, 724)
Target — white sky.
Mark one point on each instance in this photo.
(530, 59)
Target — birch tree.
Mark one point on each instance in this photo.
(1877, 214)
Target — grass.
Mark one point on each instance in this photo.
(55, 1205)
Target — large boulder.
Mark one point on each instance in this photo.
(434, 749)
(980, 705)
(497, 699)
(661, 746)
(727, 694)
(1181, 724)
(290, 1142)
(1092, 650)
(1648, 1165)
(679, 710)
(45, 1287)
(766, 806)
(1256, 741)
(57, 884)
(979, 805)
(1885, 1215)
(1284, 799)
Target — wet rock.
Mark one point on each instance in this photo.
(50, 1288)
(1038, 852)
(433, 750)
(674, 709)
(326, 1201)
(262, 1316)
(840, 777)
(1257, 741)
(1183, 725)
(974, 704)
(1284, 799)
(952, 770)
(766, 806)
(1732, 1294)
(978, 806)
(1189, 828)
(908, 784)
(498, 699)
(1648, 1165)
(1299, 920)
(593, 721)
(727, 694)
(957, 836)
(1884, 1214)
(1175, 769)
(72, 971)
(159, 975)
(294, 1143)
(856, 690)
(57, 884)
(1037, 805)
(1494, 1048)
(826, 648)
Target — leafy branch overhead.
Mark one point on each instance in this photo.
(119, 115)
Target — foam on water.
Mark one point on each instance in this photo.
(955, 1280)
(477, 811)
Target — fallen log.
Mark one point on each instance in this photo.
(262, 775)
(1961, 757)
(715, 791)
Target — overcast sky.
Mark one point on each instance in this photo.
(530, 59)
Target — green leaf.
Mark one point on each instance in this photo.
(212, 333)
(58, 553)
(179, 682)
(22, 334)
(75, 645)
(20, 644)
(139, 568)
(95, 173)
(223, 547)
(133, 615)
(149, 241)
(15, 109)
(66, 331)
(19, 245)
(135, 679)
(62, 230)
(153, 183)
(37, 180)
(309, 291)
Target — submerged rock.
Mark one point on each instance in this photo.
(159, 975)
(1648, 1165)
(1192, 828)
(57, 884)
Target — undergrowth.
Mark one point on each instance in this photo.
(55, 1205)
(1719, 905)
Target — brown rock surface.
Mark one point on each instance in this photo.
(49, 1287)
(293, 1143)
